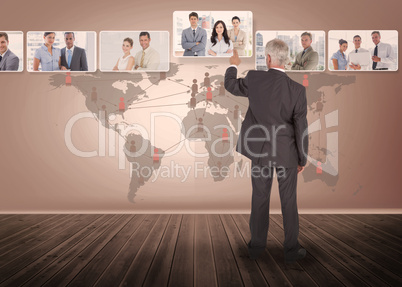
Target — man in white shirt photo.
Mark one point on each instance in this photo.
(357, 41)
(383, 56)
(148, 58)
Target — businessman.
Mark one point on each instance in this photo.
(8, 60)
(274, 136)
(357, 41)
(308, 58)
(194, 38)
(73, 58)
(148, 58)
(382, 56)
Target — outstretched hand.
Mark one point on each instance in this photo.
(235, 60)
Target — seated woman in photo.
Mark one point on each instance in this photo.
(47, 56)
(125, 62)
(237, 36)
(339, 58)
(219, 44)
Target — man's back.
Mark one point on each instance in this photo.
(276, 117)
(275, 127)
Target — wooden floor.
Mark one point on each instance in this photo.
(196, 250)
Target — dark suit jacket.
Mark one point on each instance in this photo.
(78, 61)
(10, 62)
(274, 130)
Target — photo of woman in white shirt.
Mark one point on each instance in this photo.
(125, 62)
(219, 44)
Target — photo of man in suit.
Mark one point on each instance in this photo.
(8, 60)
(273, 135)
(194, 38)
(308, 58)
(148, 58)
(73, 58)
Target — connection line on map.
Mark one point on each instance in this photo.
(181, 141)
(179, 83)
(107, 102)
(157, 98)
(156, 106)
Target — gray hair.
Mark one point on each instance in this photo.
(278, 50)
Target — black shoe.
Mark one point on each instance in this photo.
(255, 252)
(301, 253)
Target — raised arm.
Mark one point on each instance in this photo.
(237, 87)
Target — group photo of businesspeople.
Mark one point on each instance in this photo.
(134, 51)
(212, 33)
(11, 51)
(306, 49)
(61, 51)
(363, 50)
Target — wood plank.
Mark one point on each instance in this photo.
(30, 234)
(62, 260)
(53, 240)
(396, 216)
(372, 253)
(92, 271)
(182, 273)
(296, 274)
(7, 217)
(249, 270)
(56, 253)
(365, 266)
(388, 245)
(158, 273)
(70, 270)
(380, 221)
(116, 270)
(325, 269)
(138, 269)
(20, 222)
(227, 270)
(395, 240)
(204, 264)
(18, 258)
(267, 264)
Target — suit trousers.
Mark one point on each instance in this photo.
(259, 218)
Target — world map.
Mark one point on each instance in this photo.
(200, 101)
